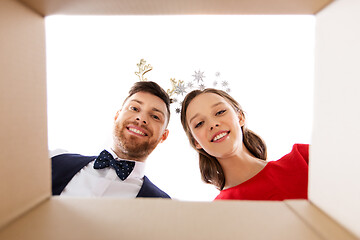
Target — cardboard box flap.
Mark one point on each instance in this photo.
(106, 218)
(175, 7)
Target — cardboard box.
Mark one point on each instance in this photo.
(27, 210)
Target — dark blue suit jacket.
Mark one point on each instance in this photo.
(65, 166)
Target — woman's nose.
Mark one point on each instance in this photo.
(212, 127)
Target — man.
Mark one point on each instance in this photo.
(140, 125)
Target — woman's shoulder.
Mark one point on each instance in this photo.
(299, 152)
(302, 150)
(301, 147)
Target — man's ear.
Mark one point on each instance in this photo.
(165, 135)
(117, 114)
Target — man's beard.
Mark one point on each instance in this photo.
(132, 146)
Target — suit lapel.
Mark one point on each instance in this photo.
(148, 189)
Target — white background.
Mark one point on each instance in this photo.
(91, 63)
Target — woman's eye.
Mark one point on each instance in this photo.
(198, 125)
(156, 117)
(220, 112)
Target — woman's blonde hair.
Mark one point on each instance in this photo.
(210, 169)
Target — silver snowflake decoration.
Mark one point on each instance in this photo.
(224, 83)
(177, 110)
(202, 87)
(217, 74)
(199, 76)
(228, 90)
(190, 85)
(180, 89)
(215, 83)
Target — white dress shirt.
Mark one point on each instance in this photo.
(90, 182)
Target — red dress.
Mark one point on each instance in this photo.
(286, 178)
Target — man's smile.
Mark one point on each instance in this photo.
(136, 130)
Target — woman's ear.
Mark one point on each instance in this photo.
(241, 119)
(197, 145)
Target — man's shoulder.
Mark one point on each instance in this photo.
(64, 167)
(71, 159)
(72, 155)
(62, 153)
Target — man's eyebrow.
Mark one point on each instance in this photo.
(154, 109)
(214, 105)
(138, 101)
(158, 110)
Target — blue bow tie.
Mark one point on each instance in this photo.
(123, 168)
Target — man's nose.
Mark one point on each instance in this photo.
(141, 119)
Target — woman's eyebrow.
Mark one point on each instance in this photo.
(193, 117)
(214, 105)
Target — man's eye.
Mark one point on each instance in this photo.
(199, 124)
(220, 112)
(134, 109)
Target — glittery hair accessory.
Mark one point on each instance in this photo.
(179, 88)
(143, 68)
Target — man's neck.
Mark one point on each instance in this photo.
(125, 156)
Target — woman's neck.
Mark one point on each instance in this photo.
(240, 167)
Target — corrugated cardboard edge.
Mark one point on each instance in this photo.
(24, 163)
(23, 211)
(174, 7)
(321, 7)
(319, 221)
(108, 218)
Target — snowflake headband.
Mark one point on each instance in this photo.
(180, 88)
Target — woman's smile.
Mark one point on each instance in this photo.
(220, 136)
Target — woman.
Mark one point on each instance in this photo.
(233, 158)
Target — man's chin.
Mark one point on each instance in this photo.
(136, 143)
(137, 153)
(132, 137)
(135, 146)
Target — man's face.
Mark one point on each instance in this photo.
(139, 126)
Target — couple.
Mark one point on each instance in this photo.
(231, 157)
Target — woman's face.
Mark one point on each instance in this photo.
(215, 125)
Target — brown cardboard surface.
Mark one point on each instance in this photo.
(334, 179)
(326, 227)
(24, 165)
(141, 7)
(104, 218)
(25, 168)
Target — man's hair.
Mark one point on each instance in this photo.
(152, 88)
